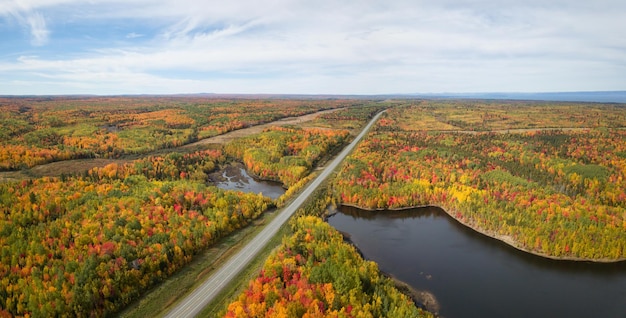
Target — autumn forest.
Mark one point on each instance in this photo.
(546, 178)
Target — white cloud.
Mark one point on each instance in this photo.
(134, 35)
(323, 46)
(33, 22)
(38, 31)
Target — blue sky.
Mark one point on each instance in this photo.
(310, 47)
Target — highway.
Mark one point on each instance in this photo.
(193, 304)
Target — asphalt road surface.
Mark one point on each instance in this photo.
(200, 297)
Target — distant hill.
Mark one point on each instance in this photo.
(599, 97)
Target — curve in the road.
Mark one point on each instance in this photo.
(201, 296)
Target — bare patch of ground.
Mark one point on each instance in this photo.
(55, 169)
(224, 138)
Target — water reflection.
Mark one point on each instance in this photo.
(475, 276)
(235, 177)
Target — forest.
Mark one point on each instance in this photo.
(37, 130)
(285, 154)
(89, 243)
(546, 178)
(314, 273)
(557, 192)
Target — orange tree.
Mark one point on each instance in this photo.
(285, 154)
(556, 193)
(38, 130)
(316, 274)
(87, 245)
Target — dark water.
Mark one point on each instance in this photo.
(475, 276)
(236, 178)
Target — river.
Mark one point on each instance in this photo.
(472, 275)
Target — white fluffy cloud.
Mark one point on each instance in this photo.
(324, 46)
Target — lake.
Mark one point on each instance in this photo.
(472, 275)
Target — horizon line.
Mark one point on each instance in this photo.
(609, 96)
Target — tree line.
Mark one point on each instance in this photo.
(559, 193)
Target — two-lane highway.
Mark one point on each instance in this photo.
(200, 297)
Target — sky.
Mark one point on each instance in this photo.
(110, 47)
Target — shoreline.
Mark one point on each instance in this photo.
(502, 238)
(421, 298)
